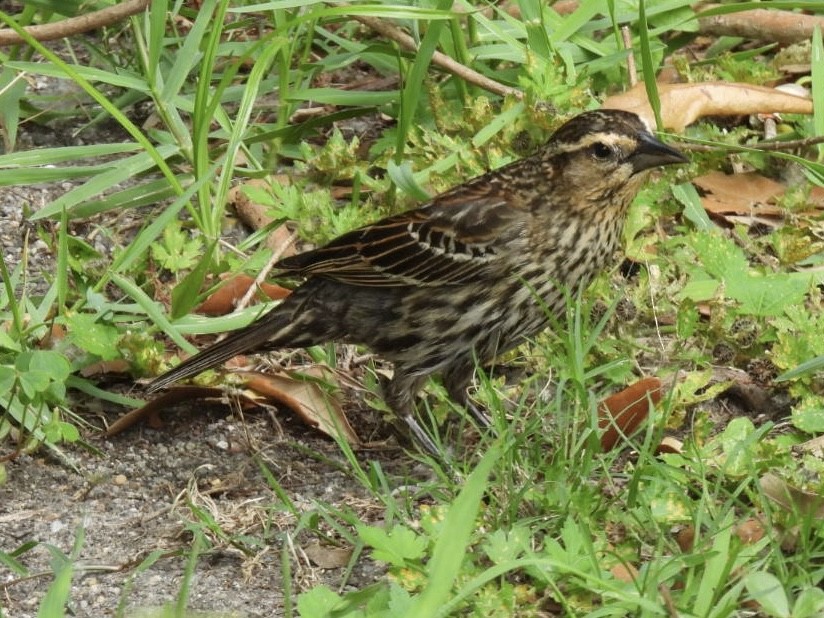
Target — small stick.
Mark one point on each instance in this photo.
(764, 146)
(632, 71)
(438, 59)
(247, 297)
(76, 25)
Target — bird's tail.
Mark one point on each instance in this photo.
(268, 332)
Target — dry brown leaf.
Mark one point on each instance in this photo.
(751, 531)
(683, 104)
(56, 333)
(224, 300)
(742, 198)
(334, 376)
(739, 194)
(624, 572)
(344, 192)
(791, 498)
(150, 413)
(686, 538)
(118, 366)
(795, 69)
(281, 241)
(816, 197)
(312, 404)
(326, 556)
(621, 413)
(783, 27)
(769, 223)
(748, 198)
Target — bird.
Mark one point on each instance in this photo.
(450, 285)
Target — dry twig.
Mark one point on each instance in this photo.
(438, 59)
(261, 276)
(764, 146)
(632, 71)
(76, 25)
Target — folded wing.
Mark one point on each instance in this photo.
(449, 241)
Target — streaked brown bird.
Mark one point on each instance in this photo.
(469, 275)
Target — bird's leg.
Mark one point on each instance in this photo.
(456, 380)
(420, 437)
(478, 413)
(399, 393)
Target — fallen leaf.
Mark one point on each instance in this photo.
(312, 404)
(739, 194)
(782, 27)
(55, 334)
(686, 538)
(622, 413)
(305, 398)
(326, 556)
(748, 221)
(795, 69)
(252, 213)
(749, 198)
(343, 192)
(150, 413)
(118, 366)
(683, 104)
(281, 241)
(791, 498)
(749, 532)
(624, 573)
(224, 300)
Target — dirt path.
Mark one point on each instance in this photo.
(137, 497)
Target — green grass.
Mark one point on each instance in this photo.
(541, 519)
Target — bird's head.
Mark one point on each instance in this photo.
(604, 154)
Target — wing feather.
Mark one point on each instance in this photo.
(445, 242)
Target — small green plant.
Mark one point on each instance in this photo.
(176, 251)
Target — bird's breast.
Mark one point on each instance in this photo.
(555, 270)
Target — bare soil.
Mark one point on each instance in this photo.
(138, 494)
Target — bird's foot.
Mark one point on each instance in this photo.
(479, 414)
(422, 439)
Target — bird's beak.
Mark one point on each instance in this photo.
(653, 153)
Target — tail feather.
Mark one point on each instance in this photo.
(269, 332)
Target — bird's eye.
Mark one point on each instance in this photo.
(601, 151)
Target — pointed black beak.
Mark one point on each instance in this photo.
(653, 153)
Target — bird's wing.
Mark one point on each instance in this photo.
(448, 241)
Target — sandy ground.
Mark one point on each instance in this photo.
(114, 508)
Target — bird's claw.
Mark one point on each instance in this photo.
(422, 439)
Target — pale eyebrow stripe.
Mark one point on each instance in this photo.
(588, 140)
